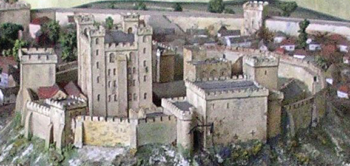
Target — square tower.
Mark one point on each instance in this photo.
(254, 15)
(115, 65)
(263, 69)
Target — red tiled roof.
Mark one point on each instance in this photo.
(40, 20)
(300, 52)
(288, 42)
(280, 50)
(336, 37)
(5, 63)
(328, 49)
(48, 92)
(344, 88)
(72, 89)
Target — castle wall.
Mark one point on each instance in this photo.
(291, 26)
(160, 130)
(99, 131)
(40, 125)
(237, 119)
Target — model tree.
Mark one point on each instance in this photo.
(52, 30)
(302, 33)
(265, 34)
(177, 7)
(141, 6)
(216, 6)
(109, 23)
(287, 7)
(9, 34)
(68, 43)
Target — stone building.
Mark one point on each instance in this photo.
(35, 64)
(165, 66)
(17, 13)
(254, 15)
(115, 71)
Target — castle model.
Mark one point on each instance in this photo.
(112, 101)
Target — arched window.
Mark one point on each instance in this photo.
(130, 30)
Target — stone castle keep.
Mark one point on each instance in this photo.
(115, 75)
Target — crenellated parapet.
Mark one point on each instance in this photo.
(102, 119)
(38, 108)
(37, 55)
(250, 91)
(147, 30)
(299, 104)
(234, 77)
(97, 31)
(13, 6)
(84, 19)
(258, 60)
(131, 17)
(120, 46)
(255, 5)
(169, 106)
(158, 119)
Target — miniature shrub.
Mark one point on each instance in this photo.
(177, 7)
(216, 6)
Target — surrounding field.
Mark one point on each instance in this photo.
(337, 9)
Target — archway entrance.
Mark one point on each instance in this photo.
(197, 140)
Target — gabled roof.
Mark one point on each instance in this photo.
(344, 88)
(7, 63)
(288, 42)
(300, 52)
(48, 92)
(72, 89)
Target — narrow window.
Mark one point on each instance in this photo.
(115, 97)
(109, 84)
(114, 71)
(97, 65)
(98, 97)
(228, 105)
(146, 69)
(144, 63)
(96, 52)
(144, 78)
(115, 83)
(109, 72)
(130, 30)
(144, 50)
(98, 79)
(265, 72)
(315, 79)
(129, 97)
(145, 96)
(111, 58)
(109, 98)
(96, 41)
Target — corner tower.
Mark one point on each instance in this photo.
(254, 15)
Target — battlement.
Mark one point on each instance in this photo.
(299, 104)
(98, 31)
(121, 46)
(54, 103)
(234, 77)
(147, 30)
(13, 6)
(261, 60)
(255, 5)
(217, 89)
(37, 55)
(84, 19)
(70, 102)
(168, 105)
(35, 107)
(131, 17)
(101, 119)
(167, 118)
